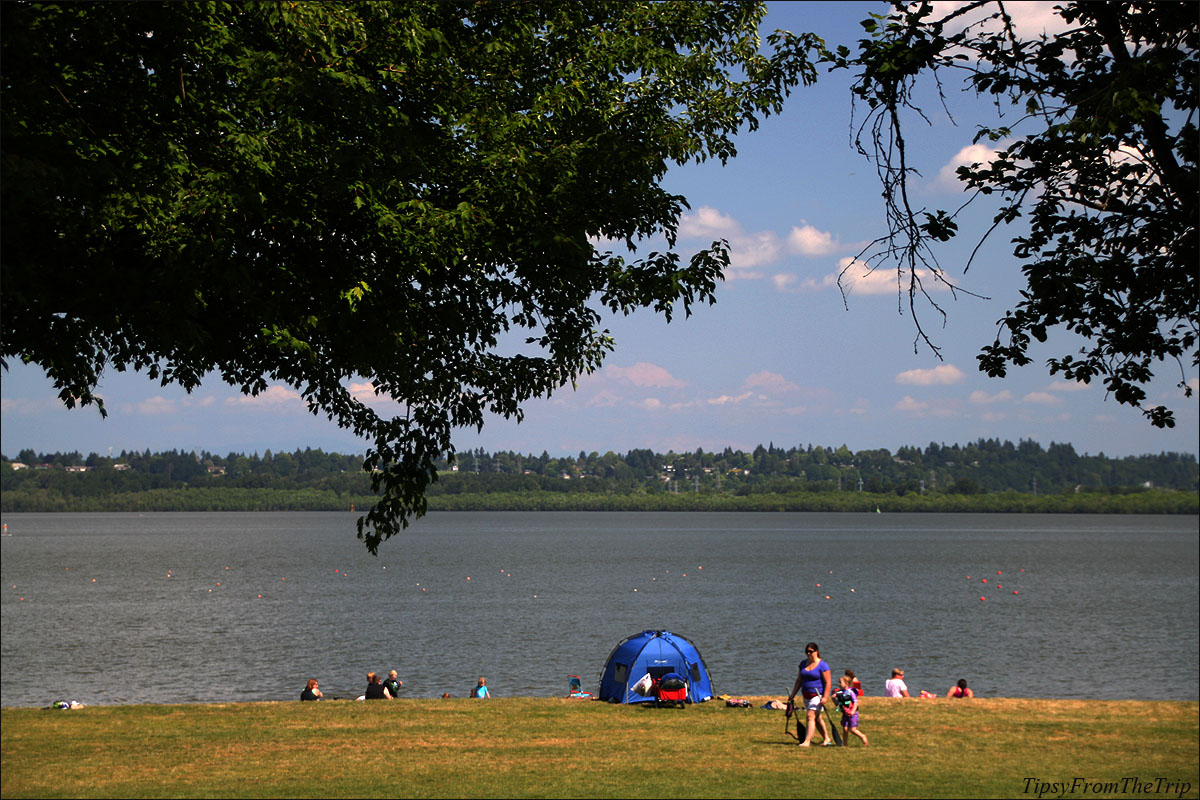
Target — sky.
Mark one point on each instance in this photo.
(782, 357)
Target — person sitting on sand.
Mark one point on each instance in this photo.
(895, 686)
(311, 691)
(960, 690)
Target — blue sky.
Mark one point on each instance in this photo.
(779, 358)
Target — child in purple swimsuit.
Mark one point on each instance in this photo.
(850, 711)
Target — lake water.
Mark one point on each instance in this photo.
(165, 608)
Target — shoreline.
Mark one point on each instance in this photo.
(756, 701)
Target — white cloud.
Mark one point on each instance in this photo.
(861, 407)
(771, 382)
(982, 398)
(25, 406)
(365, 393)
(1043, 399)
(807, 240)
(273, 397)
(971, 154)
(730, 400)
(604, 399)
(708, 223)
(643, 374)
(858, 278)
(909, 403)
(1068, 386)
(746, 250)
(784, 281)
(155, 405)
(752, 250)
(1030, 19)
(943, 375)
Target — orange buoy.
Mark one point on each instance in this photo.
(983, 599)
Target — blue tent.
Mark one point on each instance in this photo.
(654, 653)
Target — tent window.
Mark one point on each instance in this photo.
(694, 669)
(622, 672)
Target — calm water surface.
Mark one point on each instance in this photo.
(133, 608)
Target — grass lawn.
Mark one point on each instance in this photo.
(545, 747)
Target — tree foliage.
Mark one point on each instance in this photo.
(1096, 154)
(406, 194)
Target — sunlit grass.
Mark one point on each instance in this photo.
(527, 747)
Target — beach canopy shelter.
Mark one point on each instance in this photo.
(653, 653)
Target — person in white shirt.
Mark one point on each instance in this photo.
(895, 686)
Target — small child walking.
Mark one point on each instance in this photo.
(849, 707)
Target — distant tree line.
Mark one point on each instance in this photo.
(995, 475)
(985, 466)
